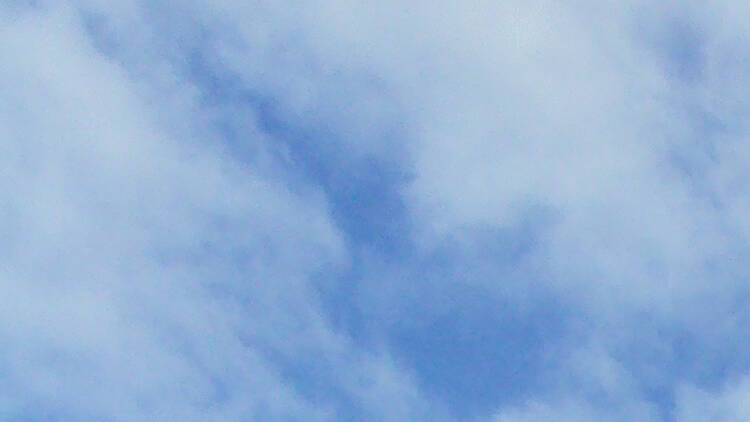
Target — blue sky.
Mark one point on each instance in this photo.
(484, 211)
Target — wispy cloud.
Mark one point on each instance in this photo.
(386, 211)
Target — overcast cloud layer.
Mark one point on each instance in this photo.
(491, 211)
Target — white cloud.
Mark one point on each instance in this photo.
(145, 272)
(131, 226)
(726, 405)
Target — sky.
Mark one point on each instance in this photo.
(382, 211)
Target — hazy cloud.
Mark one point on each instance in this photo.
(350, 210)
